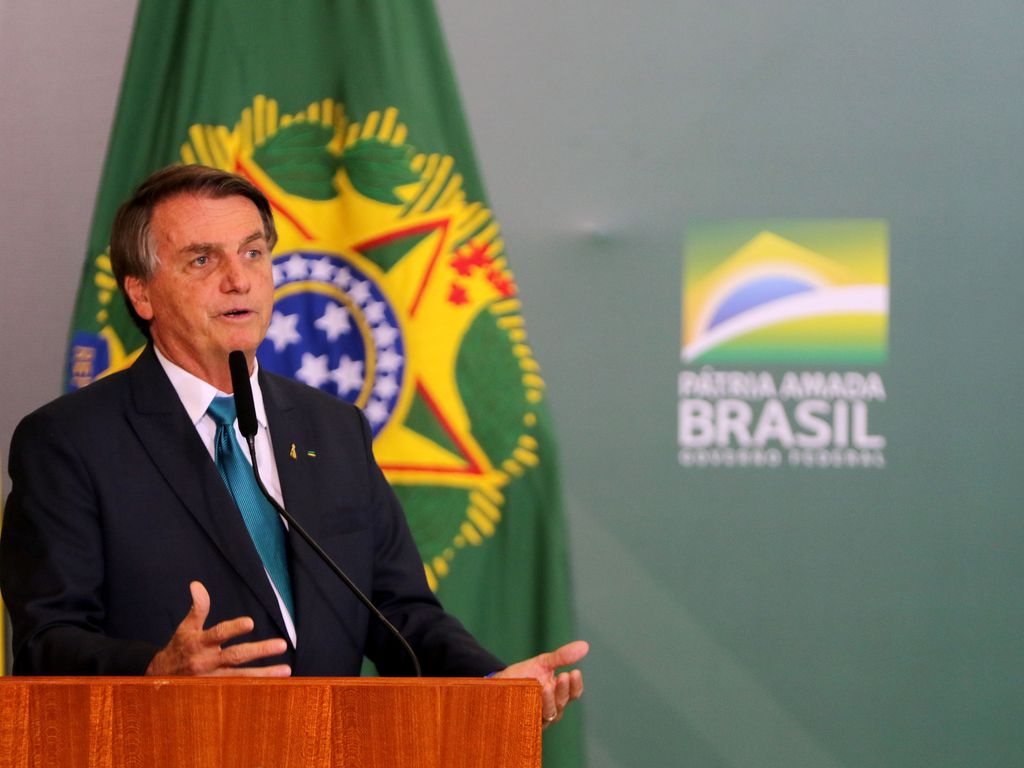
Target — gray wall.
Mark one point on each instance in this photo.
(60, 69)
(744, 617)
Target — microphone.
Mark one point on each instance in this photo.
(248, 426)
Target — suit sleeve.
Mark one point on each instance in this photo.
(51, 562)
(444, 647)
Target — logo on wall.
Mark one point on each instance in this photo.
(785, 324)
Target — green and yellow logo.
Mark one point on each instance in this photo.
(786, 291)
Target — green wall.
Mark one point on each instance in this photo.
(789, 617)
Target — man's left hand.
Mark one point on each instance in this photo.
(558, 689)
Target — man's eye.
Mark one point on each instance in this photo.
(254, 253)
(201, 261)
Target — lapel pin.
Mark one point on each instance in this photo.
(311, 454)
(292, 451)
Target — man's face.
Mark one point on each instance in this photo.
(213, 289)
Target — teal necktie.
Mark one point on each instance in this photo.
(260, 517)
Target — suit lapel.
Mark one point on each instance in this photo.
(292, 438)
(169, 437)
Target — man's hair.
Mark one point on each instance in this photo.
(132, 250)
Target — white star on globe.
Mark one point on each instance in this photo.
(376, 412)
(283, 330)
(313, 370)
(360, 292)
(296, 268)
(348, 376)
(384, 336)
(343, 279)
(322, 270)
(334, 321)
(374, 312)
(386, 387)
(389, 361)
(278, 274)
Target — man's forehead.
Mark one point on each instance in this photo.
(188, 216)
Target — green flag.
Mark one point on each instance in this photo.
(393, 289)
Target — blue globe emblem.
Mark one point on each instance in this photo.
(334, 329)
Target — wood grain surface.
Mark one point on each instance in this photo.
(308, 722)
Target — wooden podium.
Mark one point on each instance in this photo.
(246, 723)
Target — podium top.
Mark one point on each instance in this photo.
(308, 722)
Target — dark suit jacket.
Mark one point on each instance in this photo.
(116, 506)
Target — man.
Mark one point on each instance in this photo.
(131, 544)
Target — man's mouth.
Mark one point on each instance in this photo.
(237, 313)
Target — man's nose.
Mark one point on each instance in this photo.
(234, 277)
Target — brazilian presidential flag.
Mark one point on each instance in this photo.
(393, 286)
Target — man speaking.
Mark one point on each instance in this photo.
(136, 540)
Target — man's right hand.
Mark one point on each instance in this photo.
(197, 651)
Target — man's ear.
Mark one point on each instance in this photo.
(138, 294)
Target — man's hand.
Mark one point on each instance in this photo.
(557, 689)
(197, 651)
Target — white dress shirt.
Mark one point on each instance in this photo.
(196, 395)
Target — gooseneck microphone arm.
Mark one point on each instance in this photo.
(248, 426)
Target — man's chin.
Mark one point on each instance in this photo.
(246, 347)
(242, 342)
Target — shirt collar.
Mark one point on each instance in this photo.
(196, 394)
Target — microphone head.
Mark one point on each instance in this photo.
(243, 394)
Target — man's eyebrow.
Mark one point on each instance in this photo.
(257, 235)
(199, 248)
(203, 248)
